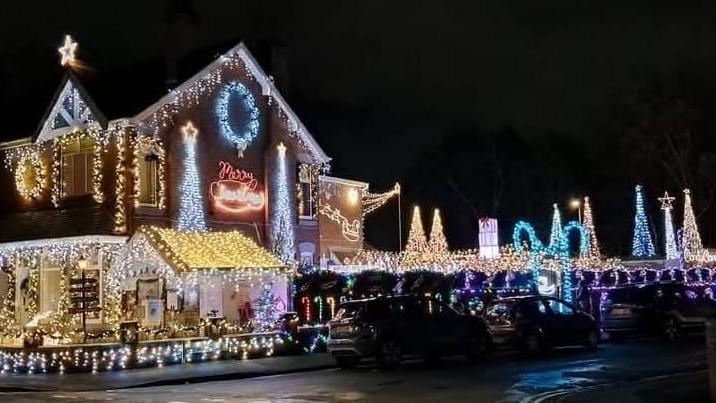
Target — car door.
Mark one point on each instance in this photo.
(407, 314)
(449, 329)
(562, 322)
(500, 320)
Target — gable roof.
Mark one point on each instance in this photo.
(210, 75)
(71, 108)
(187, 250)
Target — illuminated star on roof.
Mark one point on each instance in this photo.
(67, 51)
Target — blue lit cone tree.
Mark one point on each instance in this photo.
(556, 232)
(642, 245)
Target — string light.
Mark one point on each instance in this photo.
(187, 250)
(144, 146)
(642, 245)
(155, 353)
(373, 201)
(191, 208)
(670, 241)
(120, 214)
(99, 149)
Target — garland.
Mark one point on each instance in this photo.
(244, 138)
(30, 161)
(7, 312)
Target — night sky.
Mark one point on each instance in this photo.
(476, 107)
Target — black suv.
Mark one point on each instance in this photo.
(389, 328)
(536, 323)
(666, 308)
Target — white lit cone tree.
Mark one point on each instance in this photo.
(669, 239)
(589, 225)
(416, 236)
(438, 242)
(693, 248)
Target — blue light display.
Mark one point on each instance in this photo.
(242, 137)
(560, 251)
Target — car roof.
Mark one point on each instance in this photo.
(383, 298)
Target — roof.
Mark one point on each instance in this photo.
(39, 224)
(343, 181)
(188, 250)
(208, 75)
(71, 108)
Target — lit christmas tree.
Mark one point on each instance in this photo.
(642, 245)
(416, 236)
(589, 225)
(266, 311)
(282, 219)
(191, 209)
(437, 242)
(693, 248)
(556, 232)
(670, 241)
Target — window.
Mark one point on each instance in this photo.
(559, 307)
(148, 180)
(499, 314)
(49, 288)
(77, 159)
(305, 195)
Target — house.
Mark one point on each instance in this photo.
(222, 152)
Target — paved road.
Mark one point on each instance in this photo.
(616, 370)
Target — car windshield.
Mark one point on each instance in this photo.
(621, 295)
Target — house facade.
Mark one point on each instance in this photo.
(221, 152)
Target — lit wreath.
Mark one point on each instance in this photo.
(30, 160)
(244, 137)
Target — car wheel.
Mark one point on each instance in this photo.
(592, 340)
(476, 347)
(532, 343)
(389, 355)
(346, 362)
(670, 329)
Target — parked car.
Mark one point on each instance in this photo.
(665, 308)
(390, 328)
(536, 323)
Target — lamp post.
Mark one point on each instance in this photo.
(577, 204)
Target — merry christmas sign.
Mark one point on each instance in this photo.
(235, 190)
